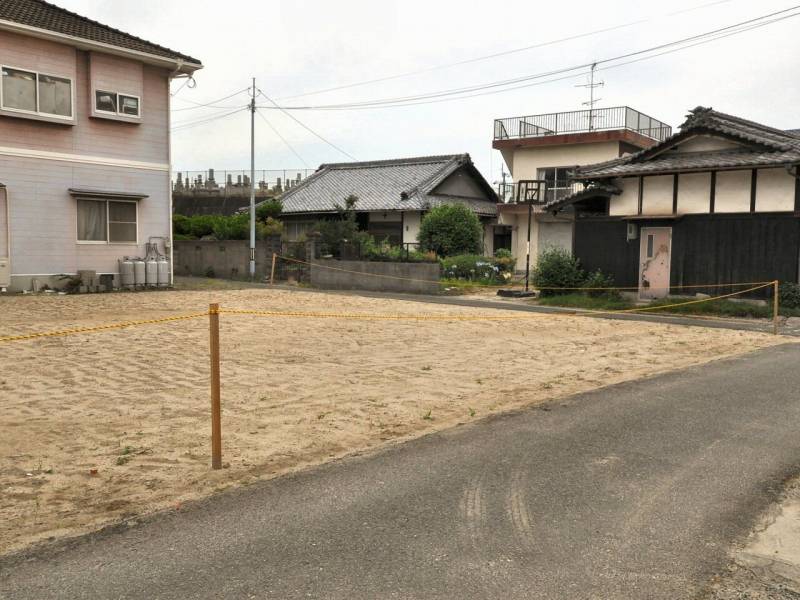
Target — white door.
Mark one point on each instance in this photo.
(654, 262)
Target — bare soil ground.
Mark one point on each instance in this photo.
(99, 427)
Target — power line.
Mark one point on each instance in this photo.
(499, 54)
(191, 124)
(307, 128)
(554, 79)
(418, 99)
(208, 104)
(288, 145)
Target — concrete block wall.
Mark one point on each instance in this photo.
(412, 278)
(228, 259)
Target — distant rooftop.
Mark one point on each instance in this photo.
(617, 118)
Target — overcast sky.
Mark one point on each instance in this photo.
(298, 46)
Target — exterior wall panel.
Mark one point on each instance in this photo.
(694, 193)
(627, 203)
(732, 193)
(774, 191)
(657, 196)
(527, 161)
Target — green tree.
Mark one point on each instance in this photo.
(451, 229)
(271, 208)
(342, 228)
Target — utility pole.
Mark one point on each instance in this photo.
(253, 182)
(592, 100)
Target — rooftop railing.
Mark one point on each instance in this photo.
(581, 121)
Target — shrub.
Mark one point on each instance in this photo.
(181, 224)
(505, 261)
(342, 228)
(269, 209)
(471, 267)
(598, 279)
(557, 268)
(450, 230)
(270, 226)
(789, 295)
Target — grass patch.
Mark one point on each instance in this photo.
(586, 302)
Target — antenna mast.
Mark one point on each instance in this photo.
(592, 100)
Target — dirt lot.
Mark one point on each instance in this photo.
(101, 426)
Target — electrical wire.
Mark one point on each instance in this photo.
(210, 104)
(705, 37)
(190, 125)
(283, 139)
(499, 54)
(545, 81)
(306, 127)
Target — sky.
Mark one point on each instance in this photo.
(294, 47)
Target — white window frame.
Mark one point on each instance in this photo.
(119, 113)
(107, 242)
(38, 112)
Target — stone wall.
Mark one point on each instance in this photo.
(409, 278)
(225, 259)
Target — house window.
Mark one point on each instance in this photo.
(36, 93)
(650, 241)
(107, 222)
(558, 185)
(125, 105)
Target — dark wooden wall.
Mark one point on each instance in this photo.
(600, 243)
(706, 249)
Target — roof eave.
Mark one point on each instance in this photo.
(178, 65)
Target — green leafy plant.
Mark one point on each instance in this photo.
(557, 268)
(789, 295)
(269, 209)
(596, 281)
(451, 229)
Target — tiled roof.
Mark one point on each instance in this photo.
(765, 146)
(43, 15)
(400, 184)
(593, 190)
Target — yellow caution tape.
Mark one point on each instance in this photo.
(77, 330)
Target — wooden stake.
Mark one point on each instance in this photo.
(216, 418)
(272, 273)
(775, 294)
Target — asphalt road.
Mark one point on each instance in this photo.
(633, 491)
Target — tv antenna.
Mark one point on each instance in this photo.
(591, 85)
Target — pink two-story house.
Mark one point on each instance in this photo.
(84, 145)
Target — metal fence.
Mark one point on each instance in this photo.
(580, 121)
(225, 183)
(513, 193)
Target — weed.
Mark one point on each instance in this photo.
(127, 450)
(426, 368)
(121, 460)
(471, 412)
(427, 416)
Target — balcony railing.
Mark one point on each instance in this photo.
(518, 193)
(581, 121)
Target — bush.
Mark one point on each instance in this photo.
(269, 209)
(789, 295)
(343, 228)
(451, 230)
(557, 268)
(505, 261)
(598, 279)
(234, 227)
(476, 268)
(270, 226)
